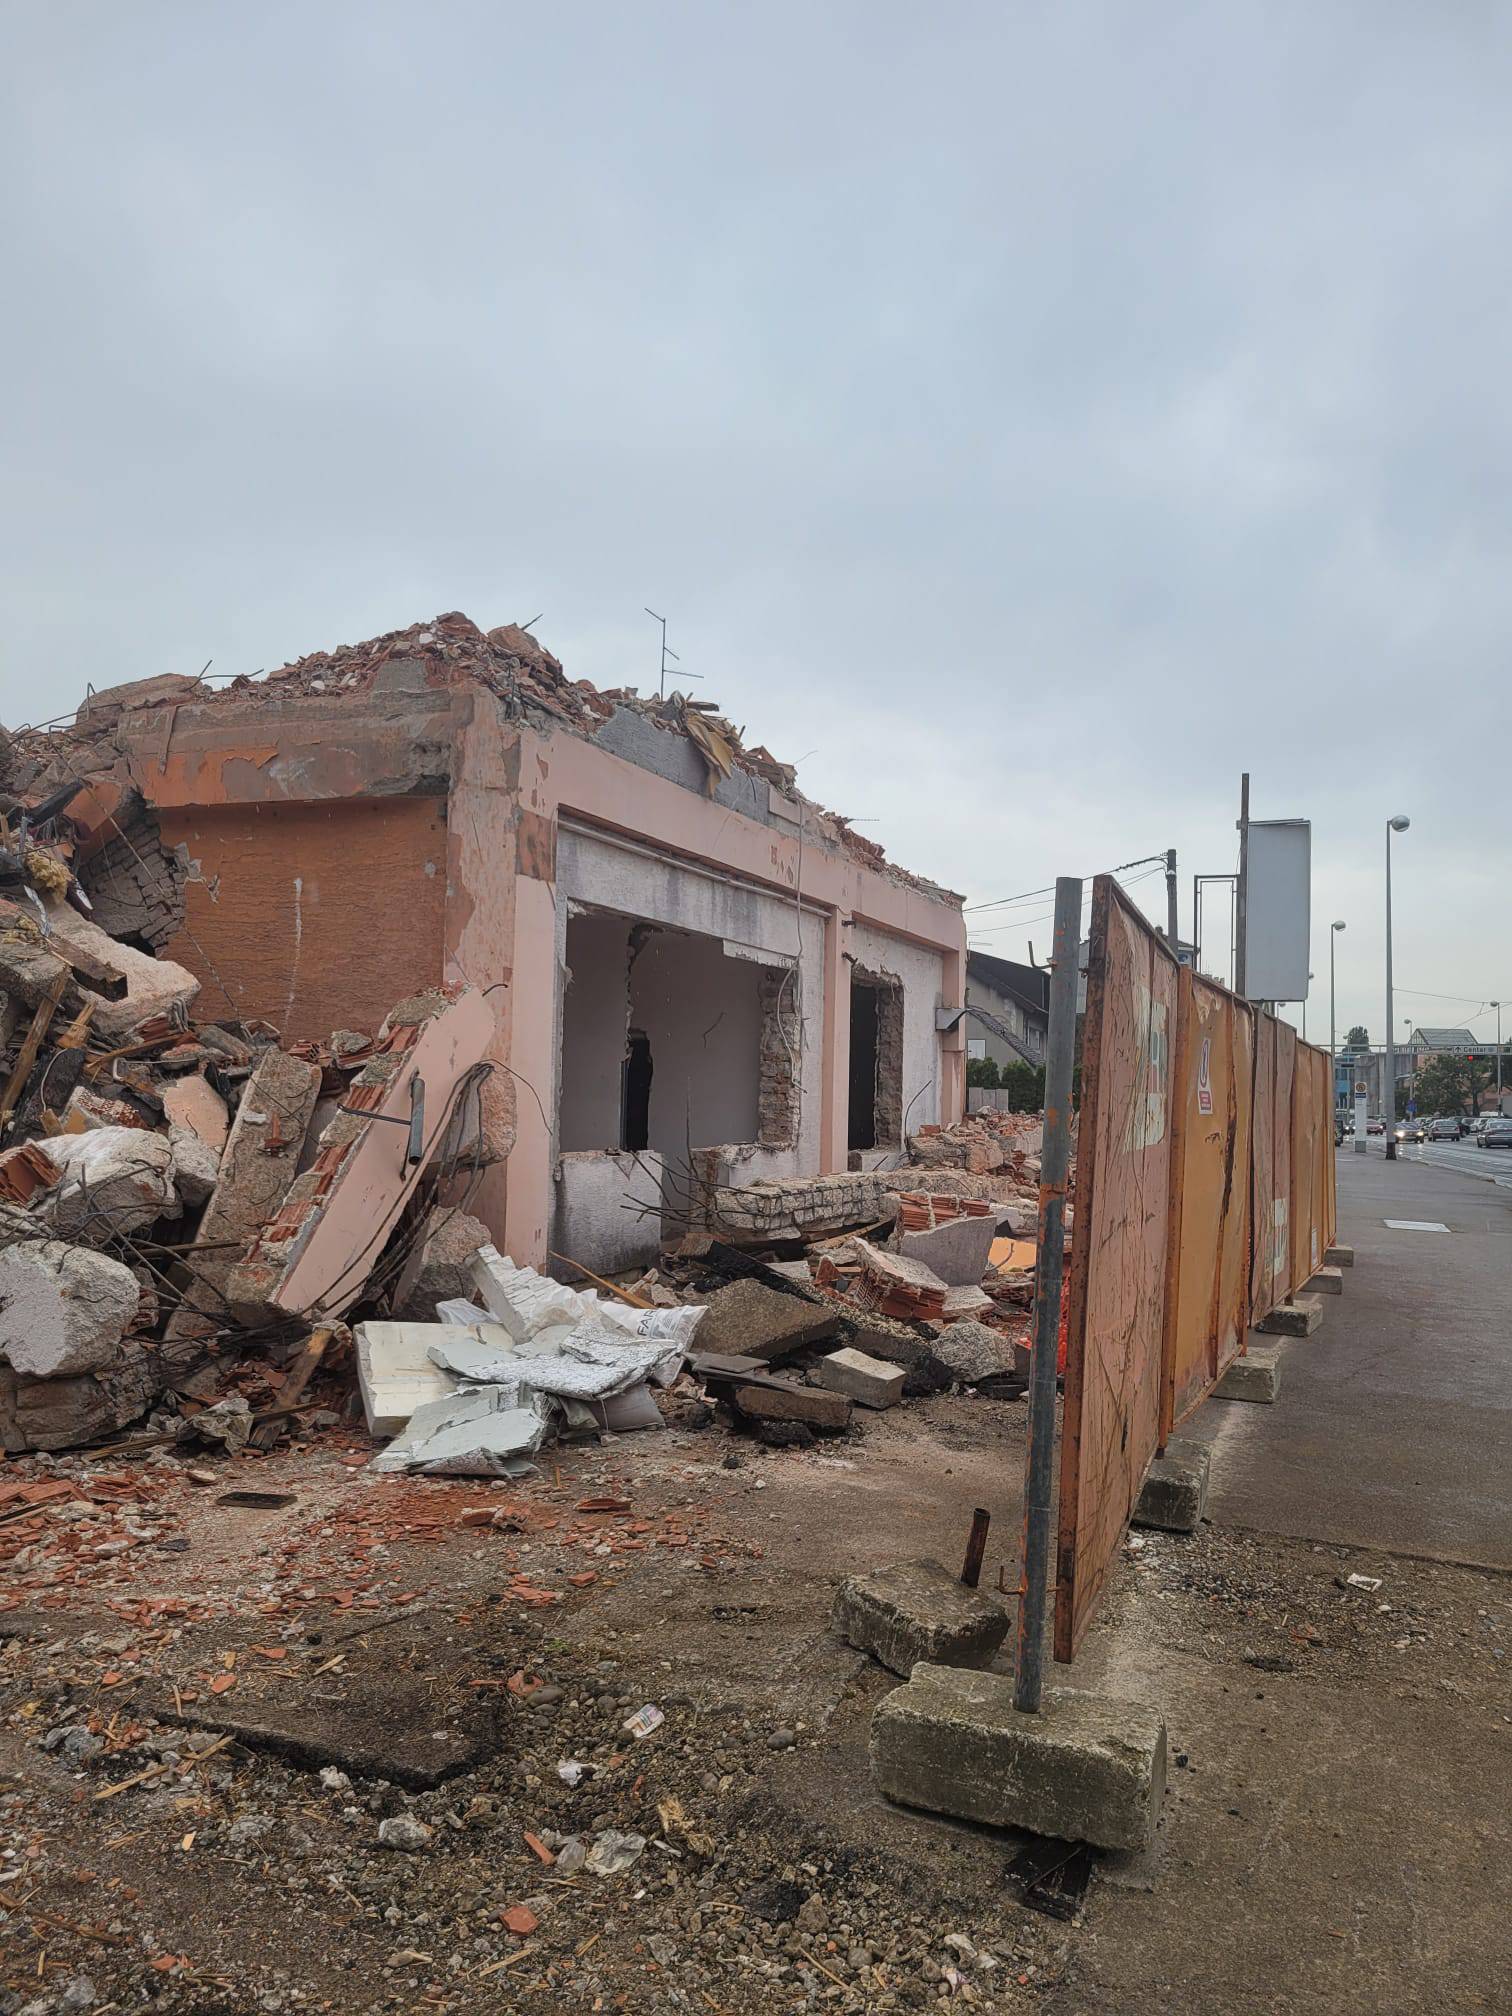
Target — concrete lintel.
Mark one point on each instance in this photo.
(1086, 1768)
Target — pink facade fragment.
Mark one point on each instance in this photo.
(314, 1257)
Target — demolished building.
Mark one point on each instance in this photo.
(699, 981)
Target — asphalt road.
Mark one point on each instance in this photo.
(1393, 1428)
(1489, 1164)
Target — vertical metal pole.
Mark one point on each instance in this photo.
(1241, 900)
(1055, 1163)
(1173, 921)
(1390, 1093)
(1497, 1006)
(1333, 1048)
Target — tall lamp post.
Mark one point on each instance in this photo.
(1397, 824)
(1497, 1006)
(1333, 1046)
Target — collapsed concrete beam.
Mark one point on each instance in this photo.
(1086, 1768)
(259, 1163)
(798, 1207)
(153, 986)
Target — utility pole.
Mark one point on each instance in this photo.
(1173, 926)
(1497, 1006)
(1333, 1048)
(1396, 824)
(1241, 916)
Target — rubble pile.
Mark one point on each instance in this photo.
(176, 1230)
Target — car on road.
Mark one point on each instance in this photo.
(1375, 1126)
(1411, 1130)
(1448, 1129)
(1495, 1132)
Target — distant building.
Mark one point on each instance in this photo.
(1008, 1010)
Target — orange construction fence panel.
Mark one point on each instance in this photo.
(1208, 1275)
(1116, 1305)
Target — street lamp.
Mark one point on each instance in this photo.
(1497, 1006)
(1334, 930)
(1398, 823)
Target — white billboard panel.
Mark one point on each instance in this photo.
(1278, 937)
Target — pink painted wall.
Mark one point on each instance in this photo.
(561, 773)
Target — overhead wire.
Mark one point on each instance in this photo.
(1023, 923)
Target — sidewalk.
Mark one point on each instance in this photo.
(1394, 1428)
(1337, 1818)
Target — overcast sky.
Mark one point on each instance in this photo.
(1029, 415)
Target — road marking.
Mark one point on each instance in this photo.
(1413, 1225)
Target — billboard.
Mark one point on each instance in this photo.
(1278, 909)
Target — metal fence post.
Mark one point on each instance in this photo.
(1055, 1163)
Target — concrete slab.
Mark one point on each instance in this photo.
(1339, 1256)
(1173, 1498)
(1297, 1318)
(918, 1610)
(957, 1250)
(871, 1382)
(1327, 1281)
(387, 1732)
(751, 1320)
(1086, 1768)
(775, 1400)
(1254, 1376)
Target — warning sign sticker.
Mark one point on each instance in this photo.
(1205, 1077)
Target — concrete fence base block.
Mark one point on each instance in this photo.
(1255, 1376)
(1339, 1256)
(1297, 1318)
(918, 1610)
(1086, 1768)
(1327, 1281)
(1174, 1495)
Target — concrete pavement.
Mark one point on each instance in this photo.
(1393, 1429)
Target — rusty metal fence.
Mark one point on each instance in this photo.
(1204, 1197)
